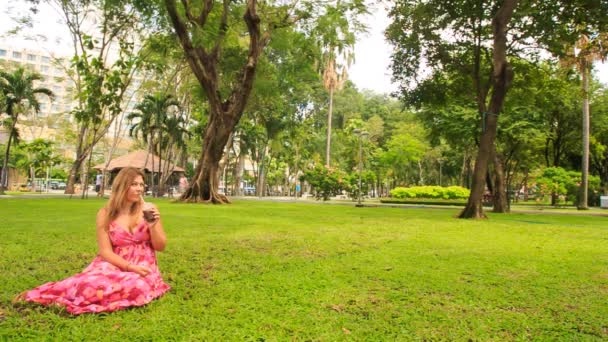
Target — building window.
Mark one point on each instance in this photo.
(45, 59)
(44, 68)
(16, 55)
(31, 57)
(2, 52)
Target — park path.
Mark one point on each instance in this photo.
(366, 204)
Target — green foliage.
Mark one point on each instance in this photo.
(36, 157)
(20, 95)
(406, 147)
(59, 174)
(326, 182)
(437, 192)
(368, 178)
(558, 181)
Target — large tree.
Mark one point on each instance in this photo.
(586, 51)
(103, 34)
(204, 30)
(225, 105)
(502, 75)
(458, 35)
(474, 47)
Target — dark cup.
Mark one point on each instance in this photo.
(149, 215)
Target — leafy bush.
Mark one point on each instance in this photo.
(558, 181)
(434, 192)
(368, 178)
(325, 182)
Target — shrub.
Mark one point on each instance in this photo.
(432, 192)
(368, 178)
(558, 181)
(325, 182)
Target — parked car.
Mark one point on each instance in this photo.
(55, 185)
(249, 191)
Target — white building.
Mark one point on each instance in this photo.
(55, 113)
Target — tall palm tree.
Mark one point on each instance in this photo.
(332, 80)
(586, 51)
(152, 113)
(20, 96)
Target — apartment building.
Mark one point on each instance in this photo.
(52, 112)
(55, 114)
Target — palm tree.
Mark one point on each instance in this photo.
(20, 95)
(176, 134)
(151, 113)
(582, 55)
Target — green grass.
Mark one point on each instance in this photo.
(258, 270)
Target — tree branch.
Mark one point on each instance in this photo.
(222, 32)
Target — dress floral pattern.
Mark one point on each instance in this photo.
(103, 287)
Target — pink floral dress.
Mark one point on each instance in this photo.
(103, 287)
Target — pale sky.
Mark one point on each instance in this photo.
(372, 56)
(372, 53)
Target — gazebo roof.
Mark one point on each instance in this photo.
(138, 159)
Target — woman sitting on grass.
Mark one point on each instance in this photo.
(125, 272)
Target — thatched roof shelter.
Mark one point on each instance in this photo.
(139, 159)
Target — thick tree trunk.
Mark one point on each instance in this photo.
(264, 163)
(489, 182)
(226, 161)
(76, 166)
(205, 183)
(501, 79)
(224, 114)
(80, 157)
(583, 197)
(501, 203)
(474, 208)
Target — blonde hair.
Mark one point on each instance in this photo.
(117, 201)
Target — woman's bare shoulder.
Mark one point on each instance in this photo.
(102, 214)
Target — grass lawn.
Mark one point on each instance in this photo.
(259, 270)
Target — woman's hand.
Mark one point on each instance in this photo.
(141, 270)
(151, 213)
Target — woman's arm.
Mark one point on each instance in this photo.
(157, 233)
